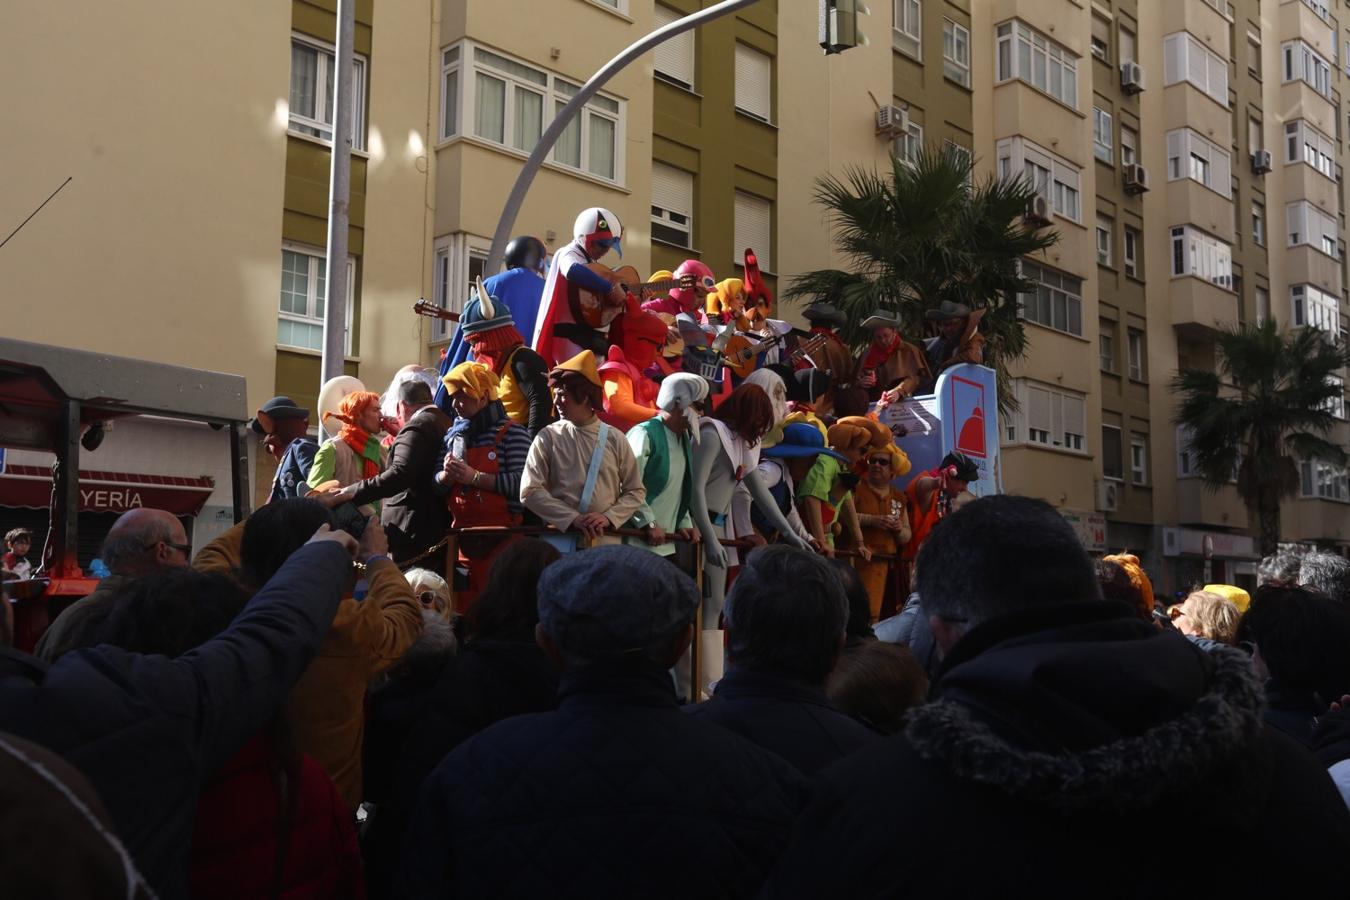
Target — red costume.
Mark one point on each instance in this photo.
(630, 396)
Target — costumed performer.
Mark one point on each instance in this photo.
(284, 430)
(484, 460)
(519, 289)
(726, 305)
(489, 329)
(826, 493)
(958, 339)
(727, 454)
(558, 334)
(630, 396)
(663, 447)
(881, 514)
(930, 497)
(355, 452)
(581, 476)
(741, 503)
(683, 299)
(835, 357)
(891, 368)
(781, 467)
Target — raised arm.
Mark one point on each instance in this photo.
(411, 455)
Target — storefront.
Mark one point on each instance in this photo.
(1194, 558)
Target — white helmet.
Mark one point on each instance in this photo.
(600, 226)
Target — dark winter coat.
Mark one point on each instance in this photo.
(486, 682)
(242, 817)
(616, 794)
(414, 515)
(1061, 744)
(790, 718)
(147, 731)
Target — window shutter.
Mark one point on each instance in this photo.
(675, 57)
(1222, 170)
(1218, 78)
(1074, 417)
(1172, 58)
(1038, 409)
(672, 189)
(754, 78)
(753, 229)
(1197, 65)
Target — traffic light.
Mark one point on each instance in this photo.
(839, 25)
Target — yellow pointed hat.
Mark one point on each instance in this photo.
(583, 364)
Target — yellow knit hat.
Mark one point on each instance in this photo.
(475, 379)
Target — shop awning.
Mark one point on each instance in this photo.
(30, 487)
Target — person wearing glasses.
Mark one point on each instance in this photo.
(140, 542)
(881, 513)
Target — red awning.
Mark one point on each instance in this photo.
(30, 487)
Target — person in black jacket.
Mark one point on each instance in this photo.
(1064, 734)
(147, 731)
(617, 793)
(785, 622)
(499, 672)
(414, 515)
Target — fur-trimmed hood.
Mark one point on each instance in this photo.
(1085, 708)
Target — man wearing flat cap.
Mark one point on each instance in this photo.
(604, 796)
(284, 429)
(891, 369)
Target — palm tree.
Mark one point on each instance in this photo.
(1267, 406)
(925, 232)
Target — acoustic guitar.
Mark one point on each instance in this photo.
(598, 310)
(741, 354)
(432, 311)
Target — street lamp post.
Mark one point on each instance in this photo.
(588, 90)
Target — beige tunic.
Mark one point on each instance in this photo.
(555, 475)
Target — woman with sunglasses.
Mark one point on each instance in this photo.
(881, 513)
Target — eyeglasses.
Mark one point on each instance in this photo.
(1176, 612)
(879, 461)
(185, 549)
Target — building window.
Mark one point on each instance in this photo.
(673, 60)
(1185, 453)
(1186, 58)
(907, 34)
(1305, 144)
(1049, 175)
(1203, 256)
(1126, 39)
(1309, 225)
(1027, 55)
(449, 92)
(753, 227)
(1106, 345)
(458, 261)
(1314, 308)
(1112, 465)
(672, 205)
(1132, 244)
(1335, 404)
(1189, 155)
(1101, 135)
(1259, 223)
(1255, 140)
(1323, 480)
(1136, 351)
(313, 85)
(1129, 143)
(508, 103)
(754, 82)
(1262, 298)
(303, 294)
(1254, 53)
(1104, 228)
(906, 147)
(1056, 300)
(956, 52)
(1053, 417)
(1101, 39)
(1303, 63)
(1138, 458)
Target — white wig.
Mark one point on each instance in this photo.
(679, 392)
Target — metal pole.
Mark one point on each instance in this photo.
(588, 90)
(339, 198)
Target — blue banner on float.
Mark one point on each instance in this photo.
(961, 416)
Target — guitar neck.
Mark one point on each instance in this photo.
(654, 285)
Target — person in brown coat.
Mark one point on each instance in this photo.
(891, 369)
(326, 708)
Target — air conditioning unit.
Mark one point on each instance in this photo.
(1260, 162)
(892, 121)
(1136, 179)
(1107, 496)
(1131, 77)
(1038, 209)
